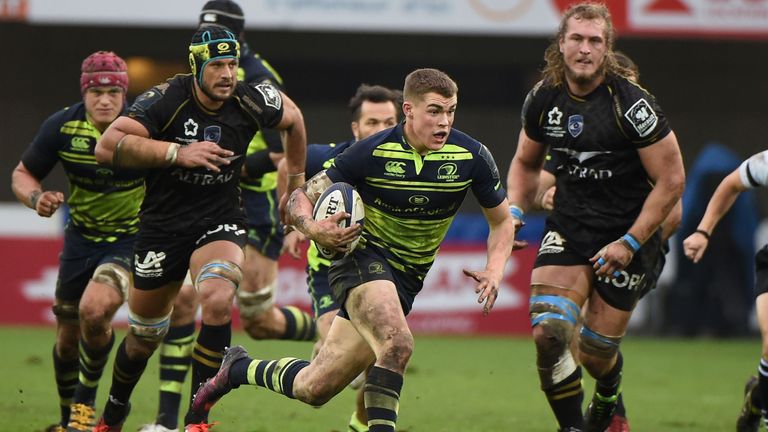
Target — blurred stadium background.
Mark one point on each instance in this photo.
(705, 61)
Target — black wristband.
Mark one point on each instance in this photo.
(259, 163)
(702, 232)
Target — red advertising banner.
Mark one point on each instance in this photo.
(446, 305)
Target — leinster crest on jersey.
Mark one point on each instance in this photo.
(642, 117)
(271, 95)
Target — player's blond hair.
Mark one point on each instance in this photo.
(554, 71)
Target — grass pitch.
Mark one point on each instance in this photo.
(453, 384)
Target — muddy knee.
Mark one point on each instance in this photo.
(553, 319)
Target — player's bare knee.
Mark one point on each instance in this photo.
(597, 350)
(553, 319)
(254, 304)
(397, 351)
(114, 276)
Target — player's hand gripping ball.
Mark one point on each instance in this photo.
(337, 198)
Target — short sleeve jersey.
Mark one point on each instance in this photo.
(753, 172)
(321, 157)
(103, 203)
(410, 199)
(179, 198)
(593, 141)
(256, 70)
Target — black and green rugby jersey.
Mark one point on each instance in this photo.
(410, 199)
(255, 70)
(178, 198)
(103, 203)
(593, 141)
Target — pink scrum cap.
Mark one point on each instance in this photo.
(103, 69)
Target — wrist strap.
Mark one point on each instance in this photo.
(631, 242)
(704, 233)
(172, 153)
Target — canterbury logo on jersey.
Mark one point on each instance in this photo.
(394, 168)
(151, 265)
(80, 143)
(552, 242)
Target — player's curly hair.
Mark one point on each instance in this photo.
(423, 81)
(554, 71)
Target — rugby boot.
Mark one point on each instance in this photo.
(356, 425)
(82, 418)
(570, 429)
(154, 427)
(749, 419)
(599, 413)
(199, 427)
(618, 424)
(55, 428)
(214, 388)
(122, 411)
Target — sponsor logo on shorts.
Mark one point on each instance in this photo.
(626, 280)
(151, 266)
(325, 301)
(418, 199)
(552, 242)
(375, 268)
(227, 228)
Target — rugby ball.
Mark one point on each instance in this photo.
(339, 197)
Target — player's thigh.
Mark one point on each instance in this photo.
(155, 302)
(258, 270)
(572, 281)
(602, 318)
(375, 310)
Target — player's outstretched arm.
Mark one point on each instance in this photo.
(725, 195)
(500, 239)
(29, 191)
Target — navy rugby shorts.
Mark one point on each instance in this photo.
(265, 232)
(369, 263)
(162, 257)
(80, 257)
(622, 292)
